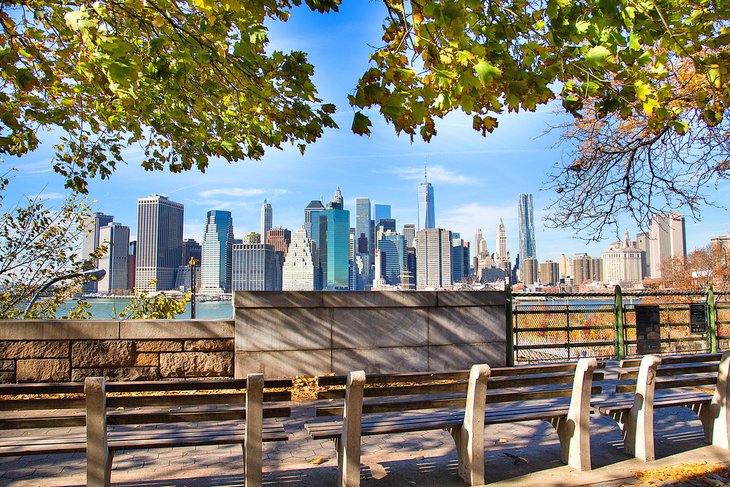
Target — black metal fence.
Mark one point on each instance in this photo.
(559, 327)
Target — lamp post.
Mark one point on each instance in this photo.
(193, 262)
(90, 275)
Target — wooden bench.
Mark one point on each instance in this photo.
(699, 382)
(461, 402)
(118, 416)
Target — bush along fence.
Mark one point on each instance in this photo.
(564, 326)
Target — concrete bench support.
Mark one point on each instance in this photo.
(348, 448)
(469, 438)
(574, 429)
(253, 443)
(98, 456)
(716, 415)
(638, 423)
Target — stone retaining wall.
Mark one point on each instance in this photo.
(283, 334)
(63, 350)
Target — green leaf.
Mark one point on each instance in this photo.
(598, 56)
(487, 72)
(361, 124)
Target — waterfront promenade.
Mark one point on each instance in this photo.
(516, 454)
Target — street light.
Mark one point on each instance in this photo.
(90, 275)
(193, 262)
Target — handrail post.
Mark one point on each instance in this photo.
(618, 316)
(711, 319)
(509, 327)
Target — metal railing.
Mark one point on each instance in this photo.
(563, 326)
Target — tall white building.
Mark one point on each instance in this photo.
(433, 258)
(666, 240)
(159, 242)
(565, 266)
(267, 218)
(216, 267)
(114, 262)
(426, 207)
(502, 255)
(623, 262)
(92, 241)
(298, 270)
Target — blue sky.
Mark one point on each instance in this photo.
(476, 179)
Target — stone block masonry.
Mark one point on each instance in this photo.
(70, 350)
(282, 334)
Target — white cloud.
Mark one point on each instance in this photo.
(47, 196)
(436, 174)
(465, 219)
(241, 192)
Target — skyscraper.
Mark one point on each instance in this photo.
(255, 268)
(311, 226)
(298, 270)
(409, 234)
(426, 212)
(159, 242)
(338, 202)
(362, 225)
(433, 258)
(334, 238)
(623, 262)
(393, 257)
(114, 262)
(215, 270)
(381, 212)
(666, 240)
(501, 247)
(92, 241)
(279, 238)
(526, 223)
(267, 216)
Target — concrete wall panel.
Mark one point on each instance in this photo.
(283, 329)
(384, 327)
(462, 357)
(283, 363)
(380, 360)
(466, 325)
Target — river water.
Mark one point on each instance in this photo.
(108, 308)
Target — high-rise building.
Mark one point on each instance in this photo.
(623, 262)
(311, 226)
(642, 243)
(582, 268)
(409, 234)
(279, 238)
(362, 225)
(159, 242)
(114, 262)
(721, 242)
(381, 212)
(526, 223)
(191, 250)
(549, 273)
(256, 267)
(480, 245)
(666, 241)
(91, 241)
(251, 238)
(565, 264)
(426, 211)
(392, 248)
(433, 258)
(334, 238)
(338, 202)
(502, 254)
(529, 269)
(267, 218)
(298, 270)
(215, 267)
(131, 264)
(459, 268)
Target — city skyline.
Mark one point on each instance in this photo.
(477, 178)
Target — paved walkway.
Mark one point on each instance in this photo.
(521, 454)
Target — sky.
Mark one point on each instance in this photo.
(476, 179)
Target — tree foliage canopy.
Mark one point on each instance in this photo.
(193, 80)
(185, 80)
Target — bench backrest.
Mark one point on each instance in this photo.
(674, 372)
(143, 402)
(426, 390)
